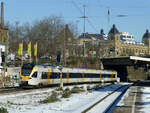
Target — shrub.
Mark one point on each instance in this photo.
(59, 89)
(50, 99)
(3, 110)
(76, 90)
(66, 93)
(81, 87)
(88, 87)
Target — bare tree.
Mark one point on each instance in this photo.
(46, 32)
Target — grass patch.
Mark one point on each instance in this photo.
(52, 98)
(66, 93)
(3, 110)
(77, 90)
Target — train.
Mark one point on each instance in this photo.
(40, 75)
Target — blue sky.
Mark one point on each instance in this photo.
(136, 23)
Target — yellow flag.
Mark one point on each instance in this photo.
(29, 49)
(35, 49)
(20, 51)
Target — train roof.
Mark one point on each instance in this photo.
(49, 66)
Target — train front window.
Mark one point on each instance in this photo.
(26, 69)
(34, 75)
(26, 72)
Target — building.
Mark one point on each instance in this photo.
(3, 39)
(92, 37)
(119, 44)
(126, 37)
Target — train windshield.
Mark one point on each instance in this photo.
(27, 68)
(34, 75)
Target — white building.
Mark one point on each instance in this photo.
(125, 36)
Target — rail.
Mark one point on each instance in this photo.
(112, 104)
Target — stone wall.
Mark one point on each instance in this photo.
(136, 74)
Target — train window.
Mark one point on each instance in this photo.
(53, 75)
(44, 75)
(75, 75)
(34, 75)
(89, 75)
(106, 75)
(64, 75)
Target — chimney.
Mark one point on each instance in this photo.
(2, 14)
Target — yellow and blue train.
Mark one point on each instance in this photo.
(37, 75)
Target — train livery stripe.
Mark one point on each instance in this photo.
(82, 76)
(60, 76)
(67, 77)
(112, 76)
(25, 77)
(100, 75)
(49, 76)
(1, 76)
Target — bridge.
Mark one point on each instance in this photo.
(120, 64)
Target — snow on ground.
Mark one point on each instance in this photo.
(28, 102)
(121, 102)
(107, 102)
(145, 100)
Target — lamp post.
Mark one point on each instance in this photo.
(61, 81)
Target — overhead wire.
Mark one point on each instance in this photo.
(79, 9)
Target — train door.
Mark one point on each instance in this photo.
(33, 80)
(44, 78)
(48, 77)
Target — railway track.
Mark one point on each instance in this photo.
(110, 106)
(10, 89)
(20, 89)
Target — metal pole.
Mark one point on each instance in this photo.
(84, 47)
(84, 19)
(61, 81)
(84, 30)
(64, 49)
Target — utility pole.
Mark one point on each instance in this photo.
(64, 48)
(84, 17)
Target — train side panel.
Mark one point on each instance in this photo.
(47, 76)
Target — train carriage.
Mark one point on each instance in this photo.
(46, 75)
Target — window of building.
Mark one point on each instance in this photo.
(124, 50)
(136, 50)
(127, 50)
